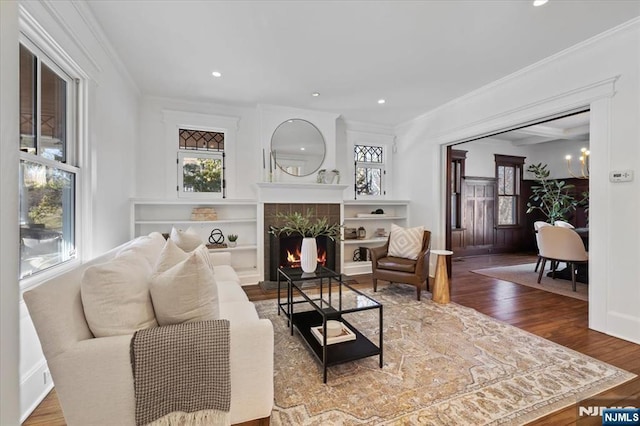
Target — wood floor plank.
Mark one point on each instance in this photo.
(560, 319)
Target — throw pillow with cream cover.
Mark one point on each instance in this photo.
(405, 242)
(187, 240)
(171, 255)
(185, 292)
(115, 296)
(148, 247)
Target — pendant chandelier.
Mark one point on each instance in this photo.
(584, 164)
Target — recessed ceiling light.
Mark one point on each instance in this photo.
(381, 101)
(302, 148)
(216, 74)
(537, 3)
(315, 94)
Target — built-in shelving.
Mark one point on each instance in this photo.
(233, 217)
(395, 211)
(380, 240)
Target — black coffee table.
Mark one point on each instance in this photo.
(332, 300)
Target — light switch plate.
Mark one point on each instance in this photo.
(621, 175)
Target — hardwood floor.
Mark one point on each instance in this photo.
(560, 319)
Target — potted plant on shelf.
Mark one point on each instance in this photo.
(305, 225)
(233, 240)
(552, 197)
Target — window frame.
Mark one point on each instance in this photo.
(174, 120)
(382, 166)
(71, 161)
(458, 159)
(517, 163)
(212, 155)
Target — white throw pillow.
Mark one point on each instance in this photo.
(148, 246)
(115, 296)
(187, 240)
(171, 255)
(405, 242)
(185, 292)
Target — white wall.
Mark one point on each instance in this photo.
(106, 161)
(481, 161)
(155, 178)
(156, 171)
(553, 154)
(583, 75)
(9, 240)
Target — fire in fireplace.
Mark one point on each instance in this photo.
(285, 252)
(290, 248)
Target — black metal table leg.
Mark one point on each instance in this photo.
(380, 342)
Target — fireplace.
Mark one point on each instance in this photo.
(285, 251)
(273, 244)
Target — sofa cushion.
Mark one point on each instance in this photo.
(405, 242)
(238, 312)
(226, 273)
(115, 296)
(148, 246)
(187, 240)
(398, 264)
(230, 291)
(185, 292)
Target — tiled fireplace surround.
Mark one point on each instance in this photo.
(329, 210)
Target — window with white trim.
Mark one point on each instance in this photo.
(201, 164)
(49, 170)
(369, 170)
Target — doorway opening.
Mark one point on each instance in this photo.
(491, 197)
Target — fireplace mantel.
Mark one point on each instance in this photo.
(287, 192)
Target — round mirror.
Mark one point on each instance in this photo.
(298, 147)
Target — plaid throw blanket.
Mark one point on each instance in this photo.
(181, 374)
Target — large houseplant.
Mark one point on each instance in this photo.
(552, 197)
(309, 228)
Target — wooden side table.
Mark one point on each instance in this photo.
(441, 285)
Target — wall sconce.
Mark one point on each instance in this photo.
(584, 164)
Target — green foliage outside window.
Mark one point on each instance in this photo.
(202, 175)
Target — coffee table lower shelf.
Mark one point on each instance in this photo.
(336, 353)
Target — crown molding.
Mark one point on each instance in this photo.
(200, 119)
(96, 30)
(363, 127)
(296, 110)
(571, 100)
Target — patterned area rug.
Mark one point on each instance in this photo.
(443, 365)
(525, 275)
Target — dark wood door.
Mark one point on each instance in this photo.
(479, 210)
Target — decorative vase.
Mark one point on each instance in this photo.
(309, 254)
(232, 244)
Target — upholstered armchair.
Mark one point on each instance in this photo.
(401, 270)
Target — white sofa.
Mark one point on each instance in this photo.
(93, 377)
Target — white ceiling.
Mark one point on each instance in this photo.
(415, 54)
(574, 127)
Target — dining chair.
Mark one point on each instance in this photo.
(563, 224)
(561, 245)
(536, 226)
